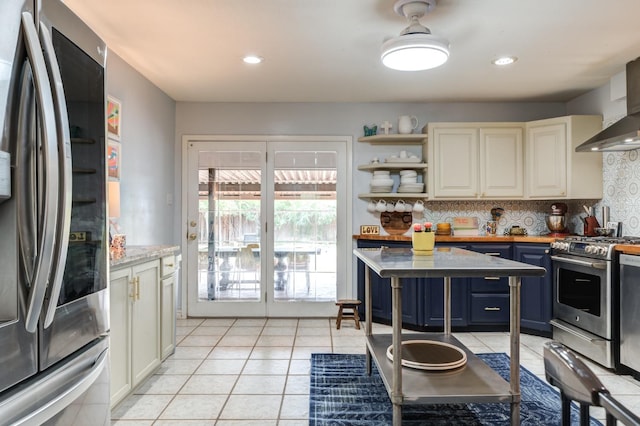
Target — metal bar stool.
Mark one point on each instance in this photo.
(577, 382)
(351, 313)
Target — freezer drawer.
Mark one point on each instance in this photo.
(629, 307)
(59, 395)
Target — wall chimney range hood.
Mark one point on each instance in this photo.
(623, 135)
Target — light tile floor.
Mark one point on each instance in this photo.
(256, 372)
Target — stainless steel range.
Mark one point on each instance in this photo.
(586, 294)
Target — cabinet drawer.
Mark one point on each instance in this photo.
(490, 285)
(168, 265)
(490, 308)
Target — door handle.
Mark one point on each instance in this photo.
(192, 236)
(132, 293)
(47, 219)
(64, 164)
(137, 283)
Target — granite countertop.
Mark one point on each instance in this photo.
(445, 262)
(465, 239)
(138, 254)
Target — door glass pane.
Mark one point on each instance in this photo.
(83, 79)
(229, 185)
(305, 235)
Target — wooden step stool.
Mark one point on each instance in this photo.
(351, 313)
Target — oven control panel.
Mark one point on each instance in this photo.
(560, 245)
(583, 248)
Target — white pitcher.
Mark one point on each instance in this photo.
(407, 124)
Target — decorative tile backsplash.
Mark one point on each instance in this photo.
(621, 172)
(526, 214)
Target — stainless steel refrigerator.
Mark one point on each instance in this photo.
(54, 304)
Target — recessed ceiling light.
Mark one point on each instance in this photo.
(252, 59)
(504, 60)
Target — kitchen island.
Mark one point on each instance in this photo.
(474, 382)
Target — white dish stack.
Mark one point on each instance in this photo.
(409, 182)
(381, 181)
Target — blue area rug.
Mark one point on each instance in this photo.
(343, 394)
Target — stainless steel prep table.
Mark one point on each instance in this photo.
(476, 381)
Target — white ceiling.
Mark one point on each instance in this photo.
(329, 50)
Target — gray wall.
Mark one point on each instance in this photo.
(347, 119)
(147, 175)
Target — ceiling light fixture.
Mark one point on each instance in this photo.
(252, 59)
(415, 49)
(504, 60)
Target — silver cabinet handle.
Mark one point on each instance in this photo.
(64, 164)
(492, 308)
(50, 179)
(492, 278)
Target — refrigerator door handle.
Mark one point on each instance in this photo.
(65, 176)
(50, 178)
(35, 404)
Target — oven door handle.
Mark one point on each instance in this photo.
(569, 330)
(596, 265)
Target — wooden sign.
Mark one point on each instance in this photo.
(369, 230)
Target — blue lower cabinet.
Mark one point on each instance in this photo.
(489, 308)
(380, 294)
(434, 299)
(412, 290)
(434, 302)
(536, 293)
(475, 302)
(491, 284)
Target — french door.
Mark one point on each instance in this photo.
(266, 225)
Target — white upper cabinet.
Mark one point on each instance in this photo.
(553, 168)
(453, 154)
(476, 160)
(501, 162)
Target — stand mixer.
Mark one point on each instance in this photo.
(557, 220)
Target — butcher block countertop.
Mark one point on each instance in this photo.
(628, 248)
(467, 239)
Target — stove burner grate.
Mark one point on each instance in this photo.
(604, 240)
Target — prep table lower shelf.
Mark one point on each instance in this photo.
(473, 382)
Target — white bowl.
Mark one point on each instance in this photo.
(381, 182)
(412, 187)
(409, 179)
(408, 173)
(381, 173)
(381, 189)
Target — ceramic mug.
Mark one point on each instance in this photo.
(408, 208)
(400, 206)
(391, 207)
(406, 124)
(381, 206)
(371, 207)
(418, 206)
